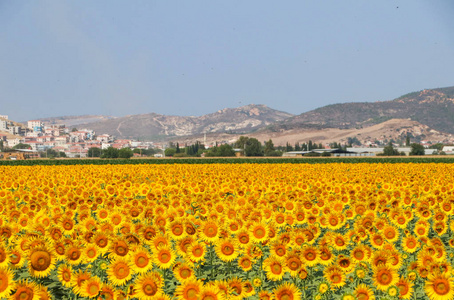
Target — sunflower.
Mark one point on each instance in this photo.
(6, 282)
(196, 251)
(335, 221)
(259, 232)
(410, 244)
(147, 232)
(236, 288)
(16, 259)
(405, 288)
(183, 272)
(325, 255)
(249, 289)
(391, 234)
(91, 287)
(345, 263)
(364, 292)
(339, 242)
(176, 229)
(293, 263)
(380, 257)
(90, 254)
(298, 238)
(335, 276)
(159, 241)
(395, 260)
(245, 263)
(226, 249)
(107, 292)
(243, 237)
(360, 253)
(119, 271)
(425, 259)
(118, 247)
(309, 255)
(164, 257)
(41, 261)
(77, 279)
(210, 231)
(73, 255)
(25, 290)
(102, 241)
(265, 295)
(43, 292)
(65, 274)
(278, 249)
(211, 292)
(274, 267)
(189, 290)
(421, 230)
(142, 261)
(377, 240)
(224, 287)
(59, 248)
(384, 277)
(439, 286)
(148, 285)
(401, 221)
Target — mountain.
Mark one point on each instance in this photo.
(75, 120)
(432, 107)
(243, 119)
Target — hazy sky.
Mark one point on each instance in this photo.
(195, 57)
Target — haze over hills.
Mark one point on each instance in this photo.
(434, 108)
(427, 114)
(243, 119)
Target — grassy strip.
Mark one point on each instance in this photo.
(252, 160)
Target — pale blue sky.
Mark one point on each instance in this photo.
(196, 57)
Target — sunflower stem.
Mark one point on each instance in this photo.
(165, 279)
(211, 261)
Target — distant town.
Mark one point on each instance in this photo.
(65, 142)
(39, 139)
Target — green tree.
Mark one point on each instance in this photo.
(241, 142)
(94, 152)
(170, 152)
(253, 148)
(417, 149)
(178, 148)
(224, 150)
(125, 153)
(438, 146)
(389, 150)
(22, 146)
(269, 147)
(110, 152)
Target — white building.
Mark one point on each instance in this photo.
(14, 142)
(448, 149)
(3, 125)
(35, 125)
(4, 117)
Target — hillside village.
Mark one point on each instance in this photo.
(75, 143)
(69, 143)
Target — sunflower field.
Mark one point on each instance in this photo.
(227, 231)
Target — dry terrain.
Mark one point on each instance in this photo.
(391, 129)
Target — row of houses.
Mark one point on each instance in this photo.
(73, 143)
